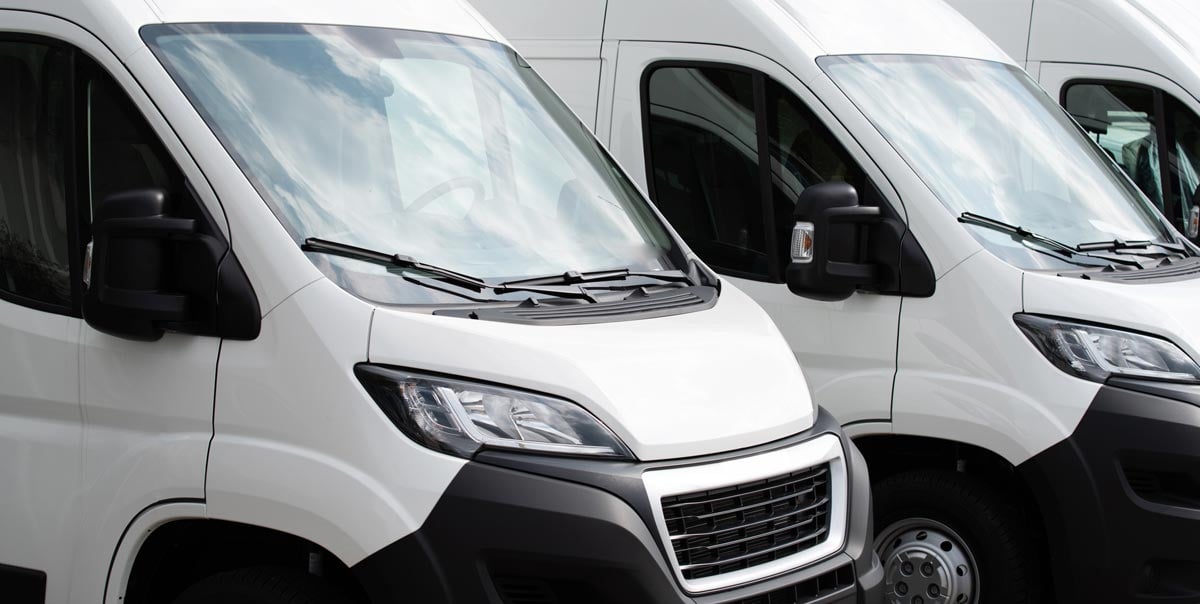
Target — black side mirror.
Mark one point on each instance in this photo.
(828, 244)
(151, 271)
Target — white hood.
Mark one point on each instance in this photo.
(1170, 310)
(699, 383)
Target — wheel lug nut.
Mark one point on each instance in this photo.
(918, 600)
(927, 569)
(906, 568)
(934, 591)
(902, 588)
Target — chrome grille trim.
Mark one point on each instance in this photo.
(805, 459)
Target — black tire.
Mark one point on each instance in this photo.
(991, 527)
(266, 585)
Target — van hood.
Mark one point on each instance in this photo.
(1170, 310)
(700, 383)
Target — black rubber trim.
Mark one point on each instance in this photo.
(22, 585)
(582, 531)
(1112, 536)
(1183, 393)
(638, 305)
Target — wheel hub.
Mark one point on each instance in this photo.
(926, 562)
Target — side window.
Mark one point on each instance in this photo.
(708, 130)
(704, 158)
(1125, 122)
(1184, 159)
(1133, 123)
(34, 146)
(123, 152)
(803, 153)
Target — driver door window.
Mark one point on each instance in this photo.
(715, 136)
(1133, 124)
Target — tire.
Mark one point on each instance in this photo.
(947, 537)
(266, 585)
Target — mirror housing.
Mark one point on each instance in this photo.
(827, 243)
(151, 272)
(840, 246)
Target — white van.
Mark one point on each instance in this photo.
(317, 302)
(1128, 71)
(999, 318)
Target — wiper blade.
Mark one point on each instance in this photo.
(575, 277)
(1027, 235)
(324, 246)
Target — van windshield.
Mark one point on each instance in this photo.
(445, 149)
(988, 141)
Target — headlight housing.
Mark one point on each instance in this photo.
(459, 417)
(1098, 353)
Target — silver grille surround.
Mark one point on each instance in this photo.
(703, 477)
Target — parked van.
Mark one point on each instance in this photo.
(1128, 71)
(1001, 320)
(318, 302)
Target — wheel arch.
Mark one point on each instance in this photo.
(891, 454)
(170, 546)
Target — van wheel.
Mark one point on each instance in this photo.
(266, 585)
(950, 538)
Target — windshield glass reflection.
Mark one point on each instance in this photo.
(446, 149)
(987, 140)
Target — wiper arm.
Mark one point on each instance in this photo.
(575, 277)
(323, 246)
(1027, 235)
(1012, 229)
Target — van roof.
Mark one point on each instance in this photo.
(1155, 35)
(117, 21)
(820, 27)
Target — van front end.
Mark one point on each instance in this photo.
(688, 467)
(518, 528)
(1122, 493)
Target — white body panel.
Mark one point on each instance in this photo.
(40, 441)
(1149, 42)
(716, 361)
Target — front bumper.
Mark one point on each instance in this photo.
(1121, 497)
(525, 529)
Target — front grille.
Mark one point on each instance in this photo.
(733, 528)
(806, 591)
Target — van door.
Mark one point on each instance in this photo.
(148, 406)
(725, 141)
(1147, 124)
(40, 416)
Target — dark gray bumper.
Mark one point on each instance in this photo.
(520, 529)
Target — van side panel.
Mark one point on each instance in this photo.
(301, 448)
(981, 381)
(1005, 21)
(560, 39)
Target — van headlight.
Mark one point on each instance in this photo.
(1098, 353)
(460, 417)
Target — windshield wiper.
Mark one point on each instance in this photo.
(575, 277)
(323, 246)
(1027, 235)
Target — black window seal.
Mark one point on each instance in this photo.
(74, 308)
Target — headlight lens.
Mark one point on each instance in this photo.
(1098, 353)
(460, 417)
